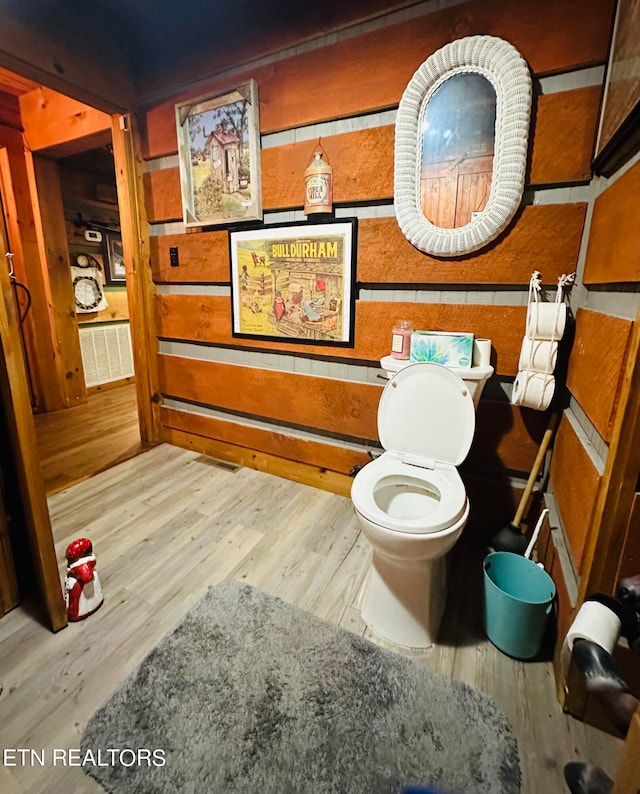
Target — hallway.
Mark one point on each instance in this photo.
(77, 443)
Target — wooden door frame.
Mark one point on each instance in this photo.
(16, 399)
(134, 230)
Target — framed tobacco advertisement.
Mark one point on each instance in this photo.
(219, 157)
(619, 131)
(294, 282)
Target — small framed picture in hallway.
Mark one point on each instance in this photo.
(114, 270)
(219, 157)
(294, 282)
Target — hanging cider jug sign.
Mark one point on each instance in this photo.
(318, 184)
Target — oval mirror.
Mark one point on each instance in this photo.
(461, 146)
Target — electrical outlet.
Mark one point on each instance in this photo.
(173, 256)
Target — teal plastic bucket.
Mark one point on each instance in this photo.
(518, 595)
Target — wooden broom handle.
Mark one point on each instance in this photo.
(537, 463)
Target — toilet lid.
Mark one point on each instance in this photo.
(426, 411)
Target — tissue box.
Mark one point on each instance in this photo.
(449, 349)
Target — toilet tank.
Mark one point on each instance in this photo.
(475, 376)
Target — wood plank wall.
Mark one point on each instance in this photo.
(598, 358)
(222, 388)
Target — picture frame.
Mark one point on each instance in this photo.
(619, 128)
(294, 282)
(114, 268)
(219, 157)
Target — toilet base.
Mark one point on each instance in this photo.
(404, 603)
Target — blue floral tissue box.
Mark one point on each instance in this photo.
(449, 349)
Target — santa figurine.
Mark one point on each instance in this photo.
(82, 590)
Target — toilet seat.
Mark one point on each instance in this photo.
(388, 471)
(426, 421)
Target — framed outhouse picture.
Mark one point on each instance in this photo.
(219, 157)
(294, 282)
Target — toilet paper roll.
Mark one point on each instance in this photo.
(594, 622)
(533, 390)
(538, 355)
(481, 352)
(546, 320)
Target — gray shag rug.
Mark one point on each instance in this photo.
(250, 694)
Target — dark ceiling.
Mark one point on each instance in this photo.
(163, 46)
(165, 38)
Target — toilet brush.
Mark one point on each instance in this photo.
(510, 538)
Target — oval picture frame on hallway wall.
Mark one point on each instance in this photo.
(461, 143)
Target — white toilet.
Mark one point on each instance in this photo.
(411, 502)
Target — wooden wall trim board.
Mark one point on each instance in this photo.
(140, 289)
(575, 482)
(337, 406)
(17, 406)
(551, 160)
(363, 160)
(207, 318)
(507, 438)
(386, 257)
(323, 456)
(55, 257)
(630, 559)
(514, 449)
(615, 499)
(613, 253)
(254, 459)
(10, 111)
(596, 365)
(204, 258)
(23, 241)
(116, 311)
(54, 121)
(547, 41)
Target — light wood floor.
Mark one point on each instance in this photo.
(168, 524)
(76, 443)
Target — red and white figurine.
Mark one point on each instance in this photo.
(82, 589)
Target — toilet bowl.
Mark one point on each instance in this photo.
(411, 503)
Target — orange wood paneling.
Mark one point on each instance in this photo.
(613, 254)
(314, 453)
(385, 255)
(203, 258)
(329, 404)
(363, 161)
(162, 197)
(630, 560)
(291, 93)
(551, 159)
(506, 437)
(207, 318)
(595, 368)
(575, 482)
(362, 168)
